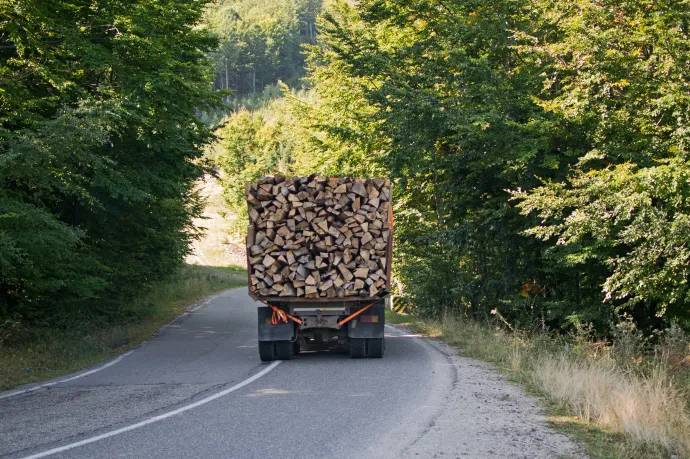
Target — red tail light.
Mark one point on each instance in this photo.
(369, 319)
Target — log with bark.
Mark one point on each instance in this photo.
(319, 237)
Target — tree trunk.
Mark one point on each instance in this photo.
(227, 83)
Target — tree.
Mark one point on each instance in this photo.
(99, 149)
(615, 71)
(261, 42)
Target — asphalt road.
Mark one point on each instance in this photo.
(198, 390)
(177, 396)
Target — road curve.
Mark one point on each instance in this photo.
(198, 389)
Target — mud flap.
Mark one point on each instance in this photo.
(369, 324)
(270, 332)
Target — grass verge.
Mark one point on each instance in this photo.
(53, 353)
(616, 399)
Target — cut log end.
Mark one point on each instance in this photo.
(317, 237)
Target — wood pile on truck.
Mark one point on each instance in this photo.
(317, 237)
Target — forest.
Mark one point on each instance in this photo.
(260, 45)
(538, 149)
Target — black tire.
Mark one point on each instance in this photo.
(296, 348)
(358, 348)
(285, 350)
(267, 351)
(376, 347)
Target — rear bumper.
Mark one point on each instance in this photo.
(369, 324)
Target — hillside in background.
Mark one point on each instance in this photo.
(219, 245)
(261, 44)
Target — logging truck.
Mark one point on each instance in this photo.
(319, 260)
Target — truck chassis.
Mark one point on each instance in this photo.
(287, 327)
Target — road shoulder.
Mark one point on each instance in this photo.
(485, 415)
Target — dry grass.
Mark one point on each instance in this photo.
(640, 398)
(647, 410)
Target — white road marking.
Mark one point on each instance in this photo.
(81, 375)
(169, 414)
(400, 333)
(196, 308)
(209, 299)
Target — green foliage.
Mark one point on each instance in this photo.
(449, 96)
(290, 135)
(260, 42)
(477, 98)
(539, 150)
(616, 72)
(253, 145)
(633, 220)
(99, 149)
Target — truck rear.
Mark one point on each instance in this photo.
(319, 259)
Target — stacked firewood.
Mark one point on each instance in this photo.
(319, 237)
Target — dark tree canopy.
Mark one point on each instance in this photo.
(99, 149)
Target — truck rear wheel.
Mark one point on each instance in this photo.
(358, 348)
(285, 350)
(267, 351)
(376, 347)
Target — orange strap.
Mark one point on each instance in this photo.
(280, 315)
(352, 316)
